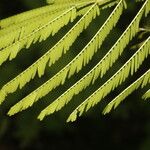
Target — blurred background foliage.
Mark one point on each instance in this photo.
(128, 127)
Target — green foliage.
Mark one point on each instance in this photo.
(130, 66)
(23, 30)
(142, 81)
(146, 95)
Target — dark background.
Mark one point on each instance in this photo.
(127, 127)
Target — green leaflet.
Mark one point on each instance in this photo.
(99, 37)
(110, 4)
(15, 29)
(73, 66)
(103, 5)
(83, 10)
(40, 34)
(100, 69)
(46, 10)
(28, 15)
(142, 81)
(17, 32)
(76, 64)
(117, 49)
(146, 95)
(114, 81)
(60, 2)
(25, 16)
(53, 54)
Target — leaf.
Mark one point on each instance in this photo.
(19, 105)
(25, 29)
(142, 81)
(99, 37)
(146, 95)
(26, 16)
(60, 2)
(16, 32)
(116, 79)
(54, 53)
(74, 65)
(40, 34)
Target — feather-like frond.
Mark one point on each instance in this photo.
(59, 78)
(60, 2)
(129, 67)
(146, 95)
(39, 34)
(101, 68)
(141, 82)
(38, 12)
(18, 31)
(14, 33)
(23, 30)
(102, 5)
(53, 54)
(103, 32)
(76, 64)
(25, 16)
(24, 36)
